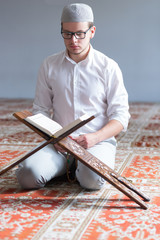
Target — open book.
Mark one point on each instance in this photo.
(51, 127)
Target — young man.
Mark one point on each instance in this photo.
(76, 81)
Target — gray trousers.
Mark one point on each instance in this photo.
(47, 163)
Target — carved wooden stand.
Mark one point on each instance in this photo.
(119, 182)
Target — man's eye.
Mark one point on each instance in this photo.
(79, 34)
(68, 34)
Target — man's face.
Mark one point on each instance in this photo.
(78, 47)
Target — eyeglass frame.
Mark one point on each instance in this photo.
(74, 33)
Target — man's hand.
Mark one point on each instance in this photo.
(86, 140)
(59, 148)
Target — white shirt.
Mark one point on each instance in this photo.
(70, 89)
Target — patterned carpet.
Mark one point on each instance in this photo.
(65, 211)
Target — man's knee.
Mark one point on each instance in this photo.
(29, 179)
(89, 179)
(37, 170)
(95, 184)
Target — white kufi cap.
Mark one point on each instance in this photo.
(77, 12)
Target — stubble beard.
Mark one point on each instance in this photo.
(87, 48)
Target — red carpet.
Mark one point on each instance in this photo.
(64, 211)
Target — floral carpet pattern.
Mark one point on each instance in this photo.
(65, 211)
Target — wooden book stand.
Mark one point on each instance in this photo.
(119, 182)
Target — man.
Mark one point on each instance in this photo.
(76, 81)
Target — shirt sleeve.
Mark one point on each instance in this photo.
(44, 95)
(117, 97)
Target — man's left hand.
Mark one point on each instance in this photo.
(86, 140)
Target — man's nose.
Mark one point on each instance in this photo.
(74, 39)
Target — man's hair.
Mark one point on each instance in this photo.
(90, 24)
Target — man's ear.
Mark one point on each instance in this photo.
(93, 30)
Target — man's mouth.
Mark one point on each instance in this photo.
(74, 46)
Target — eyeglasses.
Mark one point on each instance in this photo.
(78, 35)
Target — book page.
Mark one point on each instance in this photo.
(44, 123)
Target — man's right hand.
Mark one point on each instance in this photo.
(59, 148)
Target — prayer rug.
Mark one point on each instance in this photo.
(65, 211)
